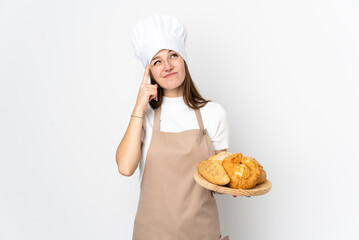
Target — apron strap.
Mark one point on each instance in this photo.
(156, 122)
(199, 120)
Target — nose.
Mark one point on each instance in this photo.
(167, 65)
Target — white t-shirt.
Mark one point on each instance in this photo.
(176, 116)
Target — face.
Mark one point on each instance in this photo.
(167, 62)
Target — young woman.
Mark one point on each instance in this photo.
(172, 128)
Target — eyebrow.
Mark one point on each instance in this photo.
(158, 57)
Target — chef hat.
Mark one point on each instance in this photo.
(157, 32)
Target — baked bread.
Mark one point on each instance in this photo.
(213, 171)
(263, 175)
(219, 157)
(244, 173)
(234, 169)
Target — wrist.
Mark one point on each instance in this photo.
(138, 111)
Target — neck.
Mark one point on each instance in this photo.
(178, 92)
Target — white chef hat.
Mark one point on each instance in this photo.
(157, 32)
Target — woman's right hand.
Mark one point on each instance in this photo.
(147, 91)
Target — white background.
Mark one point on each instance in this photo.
(285, 71)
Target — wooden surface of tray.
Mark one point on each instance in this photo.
(259, 189)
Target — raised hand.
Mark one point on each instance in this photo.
(147, 91)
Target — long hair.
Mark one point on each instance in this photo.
(191, 95)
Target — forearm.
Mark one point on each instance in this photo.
(129, 150)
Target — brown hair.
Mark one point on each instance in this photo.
(191, 95)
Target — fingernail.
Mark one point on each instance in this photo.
(146, 63)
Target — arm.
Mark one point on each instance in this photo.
(218, 151)
(129, 150)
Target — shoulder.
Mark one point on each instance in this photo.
(213, 115)
(213, 108)
(215, 121)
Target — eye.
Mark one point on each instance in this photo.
(175, 54)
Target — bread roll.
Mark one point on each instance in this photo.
(219, 157)
(213, 171)
(244, 173)
(263, 175)
(234, 169)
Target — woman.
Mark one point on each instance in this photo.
(171, 129)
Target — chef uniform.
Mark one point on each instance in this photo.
(172, 206)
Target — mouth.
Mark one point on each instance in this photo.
(170, 75)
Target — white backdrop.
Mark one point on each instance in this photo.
(285, 71)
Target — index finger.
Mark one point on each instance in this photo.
(146, 74)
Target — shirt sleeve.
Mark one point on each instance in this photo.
(143, 133)
(221, 135)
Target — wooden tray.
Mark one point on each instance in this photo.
(260, 189)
